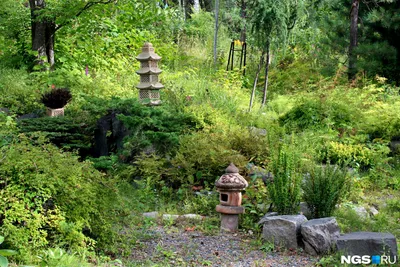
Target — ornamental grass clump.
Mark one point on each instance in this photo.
(323, 188)
(57, 98)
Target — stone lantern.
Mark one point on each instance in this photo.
(149, 86)
(230, 186)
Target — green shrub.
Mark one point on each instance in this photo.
(202, 157)
(314, 114)
(64, 132)
(284, 191)
(383, 120)
(323, 188)
(50, 198)
(350, 221)
(357, 155)
(17, 94)
(159, 127)
(255, 202)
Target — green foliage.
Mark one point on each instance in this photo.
(323, 188)
(359, 156)
(159, 127)
(255, 201)
(40, 211)
(350, 221)
(17, 94)
(64, 132)
(58, 257)
(284, 191)
(314, 113)
(383, 120)
(271, 19)
(4, 253)
(199, 26)
(291, 74)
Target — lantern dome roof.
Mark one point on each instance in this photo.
(148, 53)
(149, 70)
(150, 86)
(231, 180)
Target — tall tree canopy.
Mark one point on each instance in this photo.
(271, 21)
(46, 17)
(370, 37)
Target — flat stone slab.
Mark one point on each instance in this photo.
(153, 214)
(156, 215)
(320, 235)
(367, 243)
(283, 230)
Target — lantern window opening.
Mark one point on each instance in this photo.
(155, 95)
(224, 197)
(153, 64)
(145, 78)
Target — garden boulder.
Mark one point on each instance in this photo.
(320, 235)
(283, 230)
(367, 243)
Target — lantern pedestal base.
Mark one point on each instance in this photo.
(229, 222)
(55, 112)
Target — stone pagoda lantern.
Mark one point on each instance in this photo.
(230, 186)
(149, 86)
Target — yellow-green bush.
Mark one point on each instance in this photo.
(49, 197)
(17, 94)
(357, 155)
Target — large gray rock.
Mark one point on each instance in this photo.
(361, 212)
(283, 230)
(320, 235)
(367, 243)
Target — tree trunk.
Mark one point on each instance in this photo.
(353, 39)
(266, 76)
(243, 15)
(253, 92)
(216, 31)
(42, 31)
(196, 6)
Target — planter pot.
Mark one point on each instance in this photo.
(55, 112)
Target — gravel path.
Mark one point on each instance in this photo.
(178, 247)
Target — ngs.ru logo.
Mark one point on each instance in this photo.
(366, 259)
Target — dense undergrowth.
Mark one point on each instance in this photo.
(55, 194)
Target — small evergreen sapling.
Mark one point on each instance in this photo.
(324, 187)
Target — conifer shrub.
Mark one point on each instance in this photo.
(284, 190)
(64, 132)
(323, 188)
